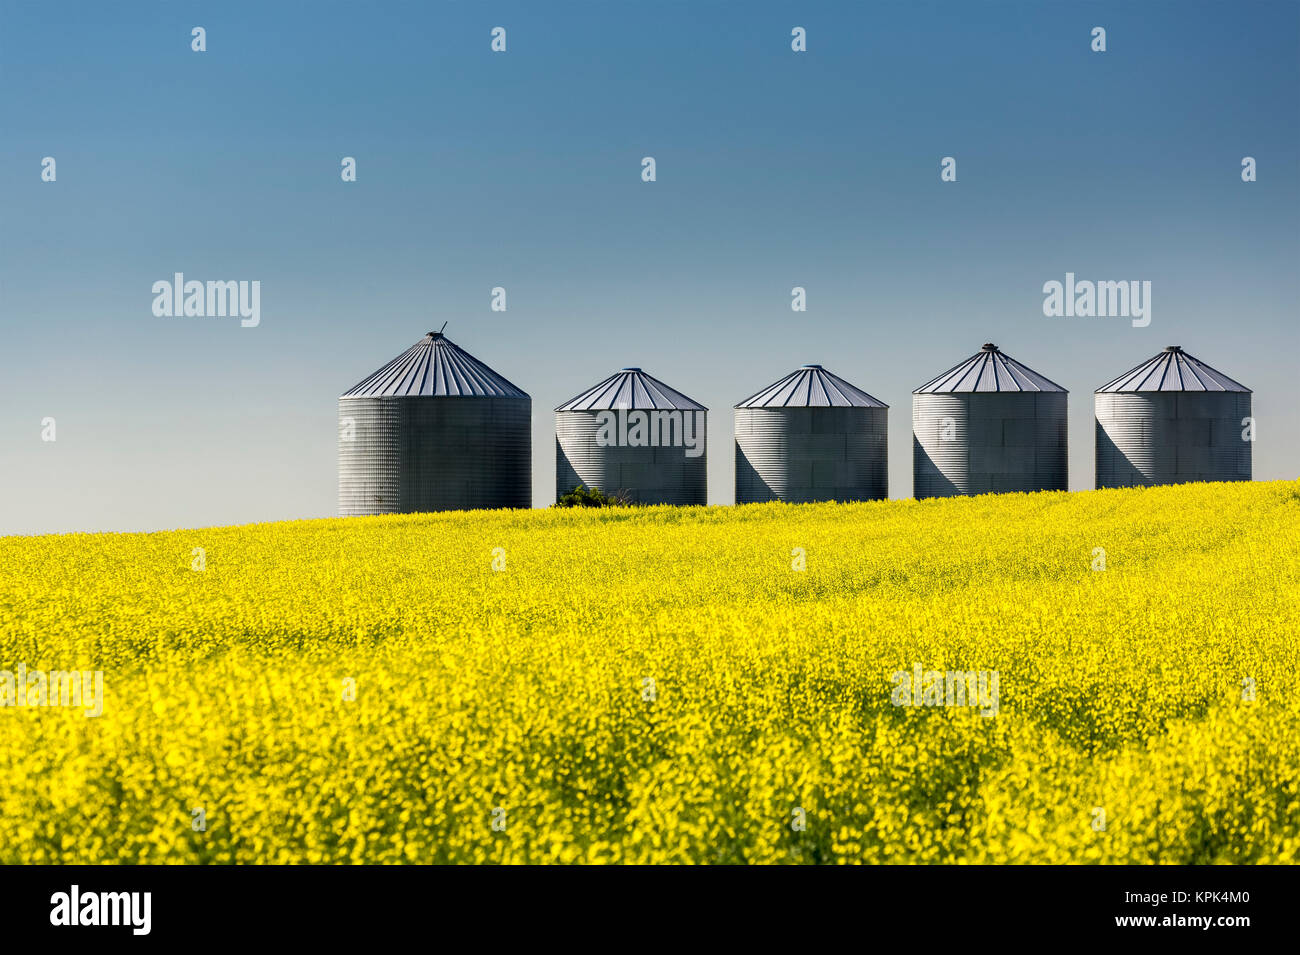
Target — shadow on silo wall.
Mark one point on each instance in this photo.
(750, 486)
(1114, 468)
(927, 478)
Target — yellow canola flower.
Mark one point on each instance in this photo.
(663, 685)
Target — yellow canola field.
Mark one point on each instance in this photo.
(643, 685)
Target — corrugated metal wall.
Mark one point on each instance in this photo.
(414, 454)
(811, 454)
(648, 475)
(1001, 442)
(1171, 437)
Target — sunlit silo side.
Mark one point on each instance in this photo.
(989, 425)
(811, 436)
(633, 436)
(1171, 420)
(435, 429)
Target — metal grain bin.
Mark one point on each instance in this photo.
(1171, 420)
(434, 430)
(989, 425)
(811, 436)
(634, 436)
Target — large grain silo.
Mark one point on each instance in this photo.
(811, 436)
(633, 436)
(988, 425)
(435, 429)
(1171, 420)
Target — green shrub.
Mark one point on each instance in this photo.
(589, 497)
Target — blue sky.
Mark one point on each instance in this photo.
(522, 170)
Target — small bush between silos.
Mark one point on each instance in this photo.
(591, 497)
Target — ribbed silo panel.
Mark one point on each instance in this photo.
(806, 454)
(418, 454)
(940, 445)
(1132, 450)
(1171, 437)
(1231, 453)
(763, 463)
(1017, 442)
(645, 474)
(989, 443)
(578, 458)
(1051, 442)
(466, 453)
(369, 463)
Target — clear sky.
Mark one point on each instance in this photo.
(522, 169)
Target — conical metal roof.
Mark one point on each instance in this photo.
(1173, 370)
(811, 386)
(988, 370)
(630, 388)
(435, 367)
